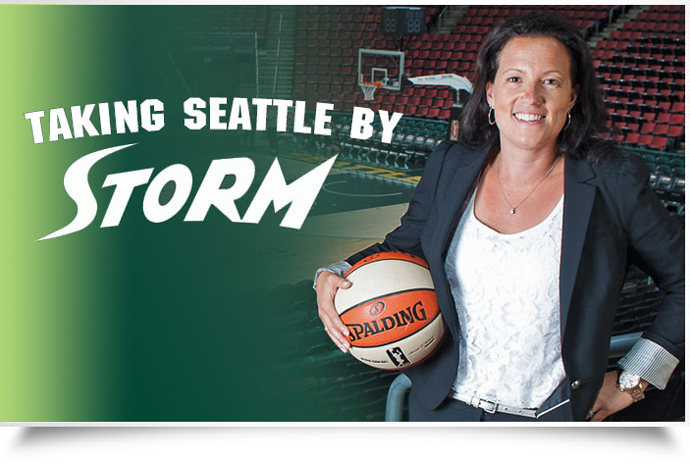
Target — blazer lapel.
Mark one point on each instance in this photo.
(455, 197)
(463, 168)
(577, 208)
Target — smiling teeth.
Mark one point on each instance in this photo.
(528, 117)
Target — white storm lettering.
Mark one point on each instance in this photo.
(299, 194)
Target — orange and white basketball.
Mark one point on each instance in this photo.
(391, 311)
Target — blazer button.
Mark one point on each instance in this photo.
(575, 385)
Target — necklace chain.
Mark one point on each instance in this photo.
(513, 209)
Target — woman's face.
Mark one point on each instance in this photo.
(532, 92)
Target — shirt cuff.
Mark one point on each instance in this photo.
(339, 268)
(650, 361)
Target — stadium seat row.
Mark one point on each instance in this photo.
(628, 61)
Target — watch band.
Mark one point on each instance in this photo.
(636, 392)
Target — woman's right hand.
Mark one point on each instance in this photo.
(327, 284)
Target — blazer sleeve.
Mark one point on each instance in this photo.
(407, 236)
(657, 246)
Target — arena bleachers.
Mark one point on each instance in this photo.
(642, 74)
(640, 66)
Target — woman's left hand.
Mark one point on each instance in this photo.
(611, 399)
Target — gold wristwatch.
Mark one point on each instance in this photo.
(632, 384)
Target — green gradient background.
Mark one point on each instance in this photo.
(143, 321)
(55, 338)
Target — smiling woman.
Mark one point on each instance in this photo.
(532, 93)
(530, 97)
(510, 221)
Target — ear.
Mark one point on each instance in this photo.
(490, 93)
(573, 96)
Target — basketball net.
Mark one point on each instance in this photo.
(369, 88)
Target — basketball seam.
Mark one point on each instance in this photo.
(398, 340)
(386, 295)
(355, 267)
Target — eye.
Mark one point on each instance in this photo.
(551, 81)
(513, 79)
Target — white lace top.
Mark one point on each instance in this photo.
(506, 290)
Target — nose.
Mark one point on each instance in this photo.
(533, 94)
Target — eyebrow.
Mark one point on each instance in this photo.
(552, 71)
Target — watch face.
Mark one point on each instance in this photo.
(628, 380)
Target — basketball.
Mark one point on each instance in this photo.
(391, 311)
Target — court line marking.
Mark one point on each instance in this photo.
(383, 195)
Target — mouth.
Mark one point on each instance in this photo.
(529, 117)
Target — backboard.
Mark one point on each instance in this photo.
(382, 66)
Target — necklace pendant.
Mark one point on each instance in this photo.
(512, 211)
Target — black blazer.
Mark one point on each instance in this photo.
(611, 218)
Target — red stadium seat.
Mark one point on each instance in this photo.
(675, 131)
(632, 138)
(664, 105)
(677, 119)
(661, 129)
(648, 127)
(645, 140)
(663, 117)
(659, 143)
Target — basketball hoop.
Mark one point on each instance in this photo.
(369, 88)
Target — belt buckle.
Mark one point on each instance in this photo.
(493, 410)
